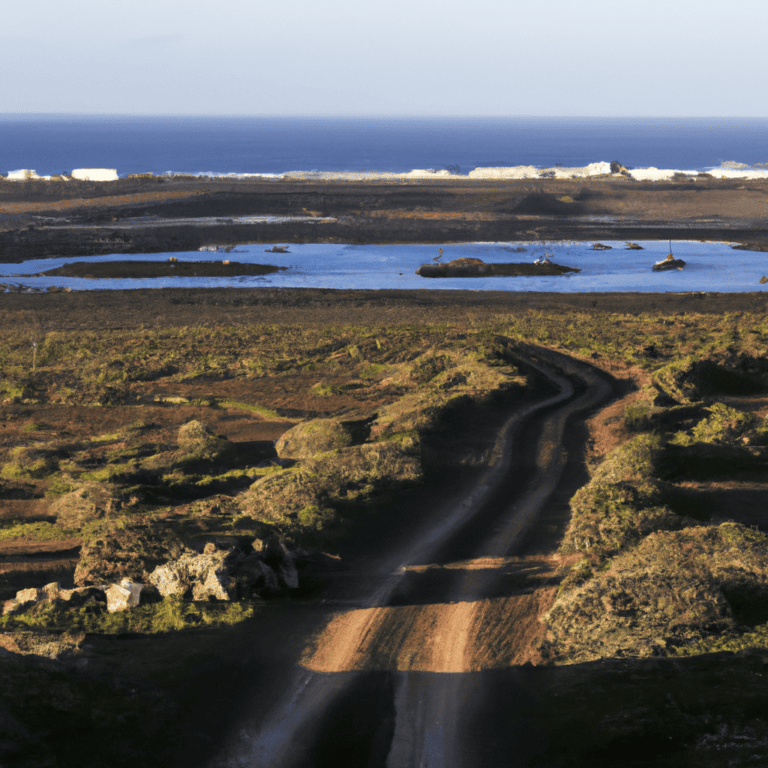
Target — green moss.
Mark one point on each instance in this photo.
(168, 615)
(636, 459)
(39, 531)
(723, 425)
(29, 462)
(638, 417)
(608, 518)
(738, 535)
(252, 408)
(755, 639)
(58, 485)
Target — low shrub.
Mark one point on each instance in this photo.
(674, 589)
(610, 517)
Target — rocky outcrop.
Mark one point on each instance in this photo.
(309, 438)
(25, 598)
(478, 268)
(131, 551)
(228, 574)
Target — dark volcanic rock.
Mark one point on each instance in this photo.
(139, 269)
(478, 268)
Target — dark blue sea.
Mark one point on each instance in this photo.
(53, 144)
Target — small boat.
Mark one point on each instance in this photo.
(669, 263)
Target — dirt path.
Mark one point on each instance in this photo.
(387, 680)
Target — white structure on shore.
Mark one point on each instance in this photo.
(95, 174)
(24, 175)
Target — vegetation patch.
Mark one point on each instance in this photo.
(607, 518)
(674, 589)
(318, 494)
(171, 614)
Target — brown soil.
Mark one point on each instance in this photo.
(176, 307)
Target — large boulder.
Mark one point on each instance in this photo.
(197, 443)
(309, 438)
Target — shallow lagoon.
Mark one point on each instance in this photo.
(710, 267)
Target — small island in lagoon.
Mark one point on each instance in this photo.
(467, 267)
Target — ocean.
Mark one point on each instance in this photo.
(53, 144)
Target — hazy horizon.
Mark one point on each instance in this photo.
(425, 58)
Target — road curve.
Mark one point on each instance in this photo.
(390, 677)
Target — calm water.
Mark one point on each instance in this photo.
(710, 267)
(135, 144)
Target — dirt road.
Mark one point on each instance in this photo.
(397, 673)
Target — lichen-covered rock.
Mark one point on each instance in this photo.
(224, 574)
(52, 591)
(82, 596)
(31, 595)
(45, 644)
(312, 437)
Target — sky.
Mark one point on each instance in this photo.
(392, 57)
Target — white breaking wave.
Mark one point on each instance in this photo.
(727, 170)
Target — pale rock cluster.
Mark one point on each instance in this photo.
(221, 574)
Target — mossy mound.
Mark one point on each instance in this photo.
(722, 425)
(311, 496)
(673, 589)
(30, 462)
(89, 502)
(610, 517)
(312, 437)
(690, 378)
(116, 549)
(637, 459)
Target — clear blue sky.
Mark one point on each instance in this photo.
(392, 57)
